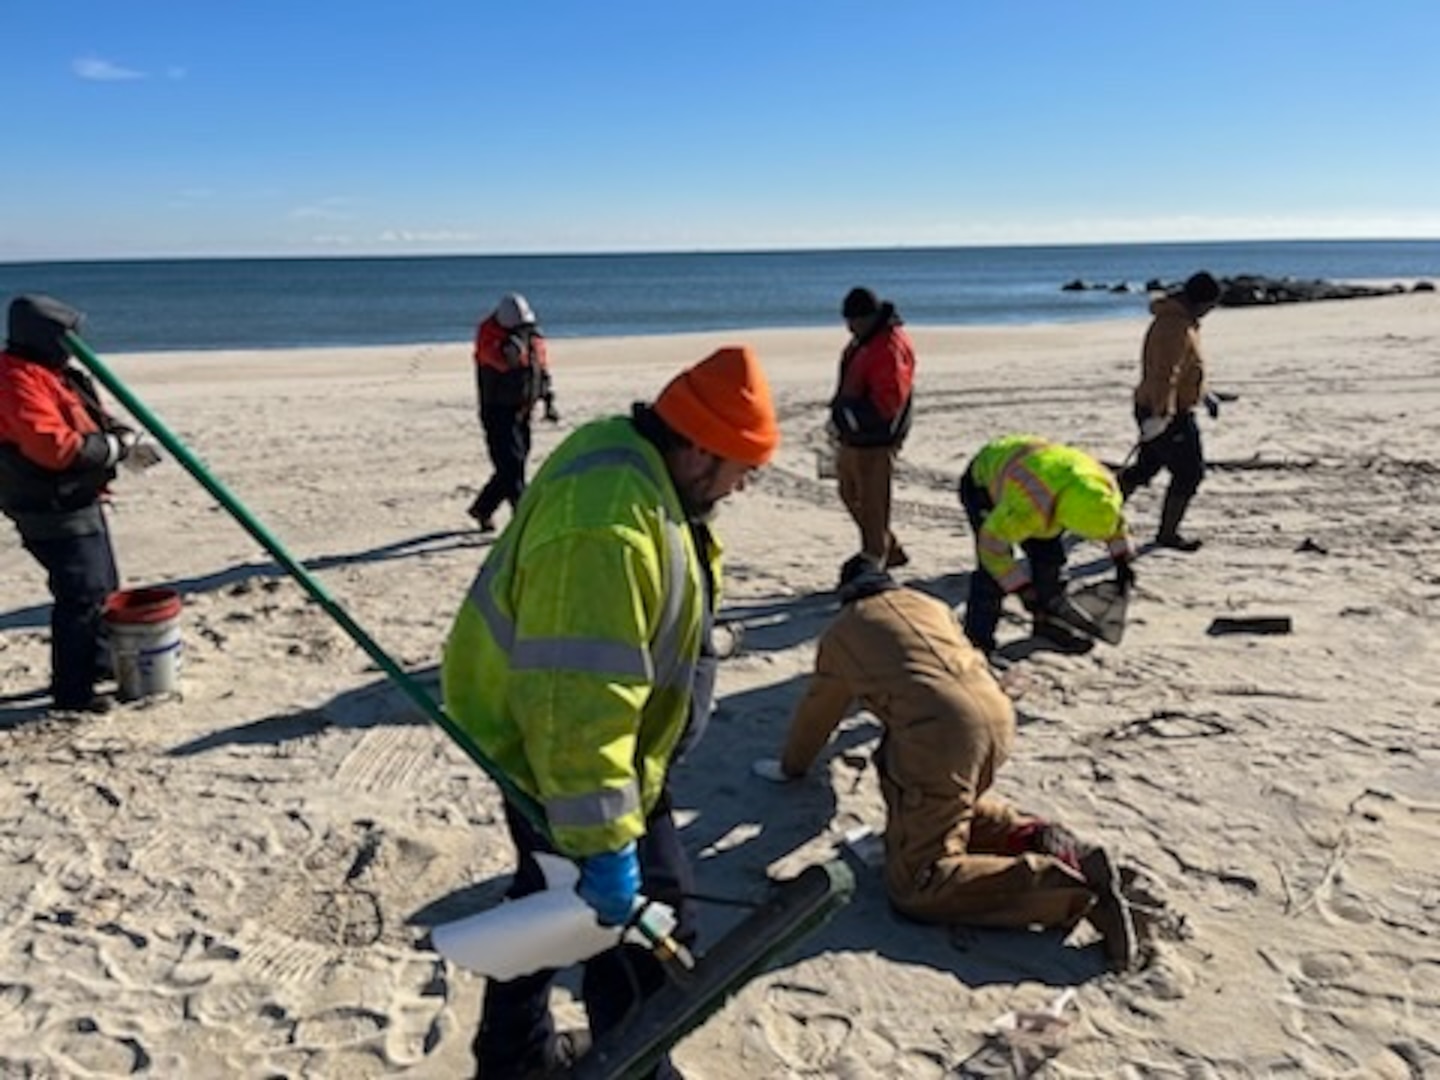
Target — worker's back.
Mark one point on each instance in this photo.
(904, 656)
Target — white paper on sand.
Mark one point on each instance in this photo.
(552, 928)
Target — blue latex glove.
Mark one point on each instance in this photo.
(610, 883)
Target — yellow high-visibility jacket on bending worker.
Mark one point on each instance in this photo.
(1038, 490)
(572, 660)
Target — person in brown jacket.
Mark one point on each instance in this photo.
(953, 853)
(1172, 385)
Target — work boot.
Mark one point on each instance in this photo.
(561, 1053)
(1056, 840)
(1110, 914)
(564, 1049)
(1175, 542)
(1060, 636)
(1170, 515)
(94, 705)
(486, 522)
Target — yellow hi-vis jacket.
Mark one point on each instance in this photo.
(1038, 490)
(572, 659)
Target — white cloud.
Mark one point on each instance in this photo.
(333, 208)
(97, 70)
(426, 236)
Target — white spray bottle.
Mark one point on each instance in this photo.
(552, 928)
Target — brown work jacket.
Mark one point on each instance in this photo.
(902, 654)
(1172, 371)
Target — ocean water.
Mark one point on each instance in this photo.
(202, 304)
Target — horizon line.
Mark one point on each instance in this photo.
(632, 252)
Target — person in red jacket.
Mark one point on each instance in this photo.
(870, 417)
(58, 450)
(512, 373)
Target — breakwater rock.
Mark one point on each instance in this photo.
(1252, 290)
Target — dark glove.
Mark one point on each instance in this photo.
(1212, 406)
(552, 414)
(1124, 576)
(610, 883)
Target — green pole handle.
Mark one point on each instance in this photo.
(408, 685)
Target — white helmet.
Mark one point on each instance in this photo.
(514, 311)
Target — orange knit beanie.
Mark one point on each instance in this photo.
(723, 406)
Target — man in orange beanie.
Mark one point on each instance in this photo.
(581, 665)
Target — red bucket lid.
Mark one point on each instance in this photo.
(142, 605)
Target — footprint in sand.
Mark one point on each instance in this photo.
(86, 1050)
(15, 1015)
(797, 1032)
(390, 758)
(1327, 966)
(339, 1027)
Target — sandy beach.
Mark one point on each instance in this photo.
(236, 881)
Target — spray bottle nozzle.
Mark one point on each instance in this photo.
(654, 922)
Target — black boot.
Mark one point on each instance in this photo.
(1060, 636)
(1174, 509)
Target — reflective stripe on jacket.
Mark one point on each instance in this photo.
(571, 662)
(1038, 490)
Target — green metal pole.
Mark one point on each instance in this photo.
(409, 686)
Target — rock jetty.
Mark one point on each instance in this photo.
(1252, 290)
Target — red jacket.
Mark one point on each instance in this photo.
(513, 366)
(55, 458)
(42, 414)
(877, 373)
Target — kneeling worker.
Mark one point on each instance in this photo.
(953, 854)
(1025, 490)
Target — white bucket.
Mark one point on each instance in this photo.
(144, 630)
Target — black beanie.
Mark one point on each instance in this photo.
(859, 303)
(37, 328)
(1201, 289)
(862, 576)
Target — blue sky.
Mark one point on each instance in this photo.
(185, 127)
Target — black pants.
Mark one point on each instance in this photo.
(82, 574)
(982, 609)
(1177, 449)
(515, 1020)
(507, 437)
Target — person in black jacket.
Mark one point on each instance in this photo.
(58, 450)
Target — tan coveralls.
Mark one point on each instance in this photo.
(865, 476)
(948, 728)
